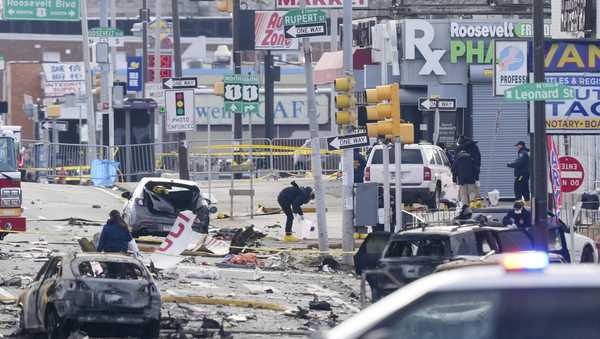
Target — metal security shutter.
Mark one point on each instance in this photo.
(497, 143)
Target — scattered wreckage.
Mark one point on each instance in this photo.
(156, 202)
(389, 261)
(109, 294)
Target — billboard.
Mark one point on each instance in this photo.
(269, 32)
(510, 60)
(574, 116)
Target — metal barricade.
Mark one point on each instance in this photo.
(59, 162)
(221, 158)
(151, 159)
(294, 156)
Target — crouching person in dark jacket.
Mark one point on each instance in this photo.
(518, 216)
(115, 236)
(291, 200)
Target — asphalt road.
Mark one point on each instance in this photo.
(48, 208)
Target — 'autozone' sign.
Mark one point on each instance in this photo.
(321, 3)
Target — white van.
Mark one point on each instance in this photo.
(426, 173)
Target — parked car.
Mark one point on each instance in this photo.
(155, 203)
(108, 295)
(391, 261)
(524, 299)
(426, 173)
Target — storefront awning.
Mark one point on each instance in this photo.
(329, 67)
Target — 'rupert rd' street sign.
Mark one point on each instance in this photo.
(299, 23)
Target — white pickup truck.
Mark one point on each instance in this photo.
(426, 173)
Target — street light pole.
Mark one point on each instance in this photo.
(539, 147)
(184, 171)
(315, 145)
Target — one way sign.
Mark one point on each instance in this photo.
(179, 83)
(348, 141)
(432, 104)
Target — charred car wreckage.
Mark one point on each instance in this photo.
(388, 261)
(153, 206)
(107, 294)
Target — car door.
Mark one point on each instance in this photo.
(29, 299)
(53, 273)
(449, 188)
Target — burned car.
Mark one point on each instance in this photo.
(108, 295)
(155, 203)
(389, 261)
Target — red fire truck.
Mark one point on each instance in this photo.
(11, 213)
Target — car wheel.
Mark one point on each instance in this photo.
(22, 328)
(54, 327)
(588, 255)
(434, 201)
(151, 330)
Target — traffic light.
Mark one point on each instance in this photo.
(219, 88)
(345, 101)
(179, 104)
(98, 84)
(387, 114)
(225, 5)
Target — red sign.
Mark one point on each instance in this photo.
(166, 66)
(571, 174)
(269, 34)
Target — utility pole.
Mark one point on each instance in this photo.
(104, 67)
(237, 69)
(113, 69)
(348, 155)
(315, 145)
(144, 15)
(184, 171)
(540, 146)
(91, 118)
(157, 30)
(269, 94)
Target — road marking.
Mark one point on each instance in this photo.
(118, 197)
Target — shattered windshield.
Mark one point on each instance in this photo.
(110, 270)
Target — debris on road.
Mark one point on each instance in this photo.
(319, 305)
(224, 302)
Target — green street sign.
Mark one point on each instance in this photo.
(304, 17)
(539, 91)
(51, 10)
(300, 23)
(105, 32)
(241, 93)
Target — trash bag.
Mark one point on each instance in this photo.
(308, 229)
(494, 197)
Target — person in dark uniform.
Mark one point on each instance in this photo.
(115, 236)
(359, 166)
(518, 216)
(291, 200)
(521, 171)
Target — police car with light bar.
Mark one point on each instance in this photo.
(522, 298)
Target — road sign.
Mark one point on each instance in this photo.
(432, 104)
(348, 141)
(299, 23)
(180, 110)
(113, 36)
(241, 93)
(61, 126)
(51, 10)
(539, 91)
(180, 83)
(571, 174)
